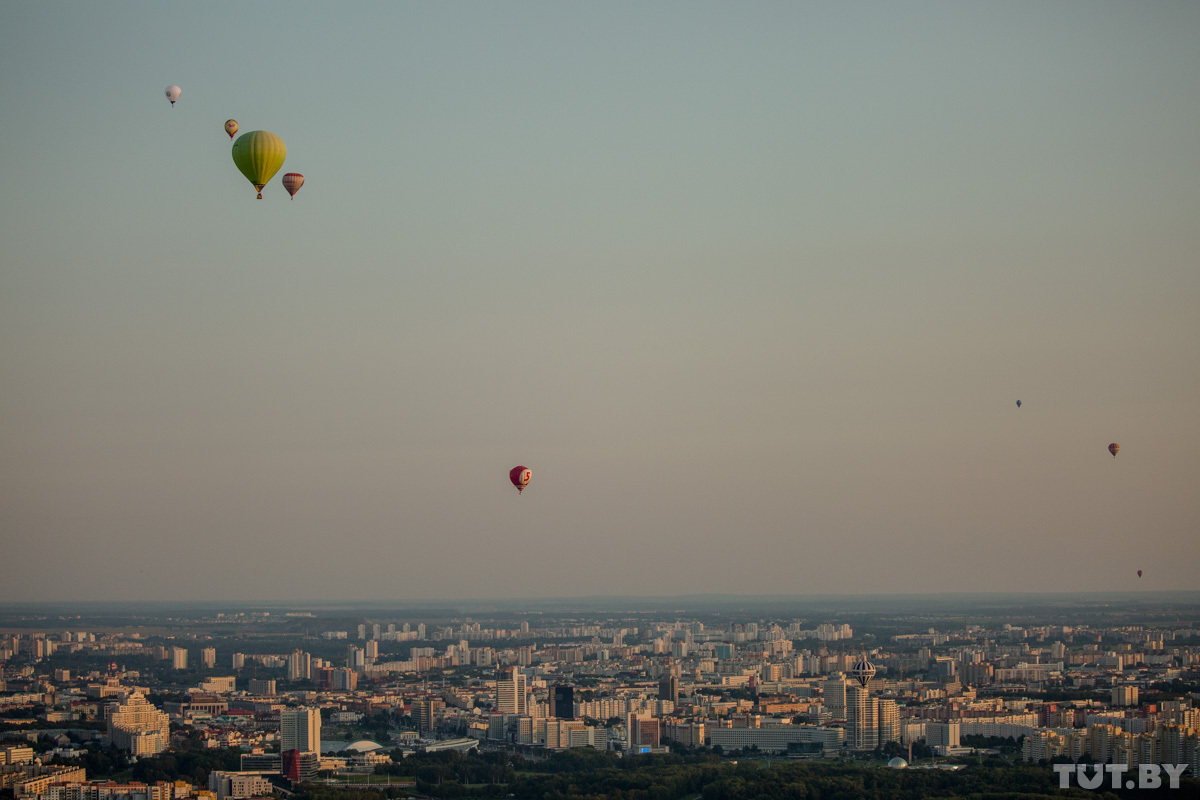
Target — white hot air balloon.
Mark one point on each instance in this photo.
(173, 93)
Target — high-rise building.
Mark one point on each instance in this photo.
(668, 688)
(496, 727)
(563, 701)
(343, 679)
(422, 712)
(299, 666)
(643, 732)
(558, 732)
(510, 693)
(137, 726)
(262, 686)
(947, 734)
(834, 695)
(208, 658)
(889, 721)
(300, 729)
(1124, 695)
(355, 658)
(862, 719)
(687, 733)
(178, 658)
(239, 660)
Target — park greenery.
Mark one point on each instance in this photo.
(587, 774)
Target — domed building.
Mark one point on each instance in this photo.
(364, 746)
(897, 763)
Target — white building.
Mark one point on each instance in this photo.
(239, 784)
(299, 666)
(862, 719)
(300, 729)
(137, 726)
(889, 721)
(776, 738)
(510, 694)
(208, 658)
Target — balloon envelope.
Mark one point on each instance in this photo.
(173, 93)
(292, 182)
(520, 477)
(1114, 448)
(259, 155)
(863, 671)
(231, 127)
(1018, 404)
(1139, 573)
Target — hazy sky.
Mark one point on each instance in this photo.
(752, 288)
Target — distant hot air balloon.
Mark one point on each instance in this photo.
(1018, 404)
(1139, 573)
(1114, 448)
(259, 155)
(520, 477)
(863, 671)
(173, 93)
(292, 182)
(231, 127)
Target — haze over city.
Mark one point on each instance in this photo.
(752, 289)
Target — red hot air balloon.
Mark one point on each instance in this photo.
(1114, 448)
(520, 477)
(292, 182)
(1139, 573)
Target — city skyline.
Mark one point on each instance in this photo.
(753, 291)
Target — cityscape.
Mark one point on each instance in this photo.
(533, 400)
(310, 700)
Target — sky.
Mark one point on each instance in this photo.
(752, 288)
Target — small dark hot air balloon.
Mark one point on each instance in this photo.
(520, 477)
(1018, 404)
(1139, 573)
(1114, 448)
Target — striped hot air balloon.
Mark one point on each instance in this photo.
(292, 182)
(1114, 448)
(863, 671)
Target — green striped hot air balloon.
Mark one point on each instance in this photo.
(259, 155)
